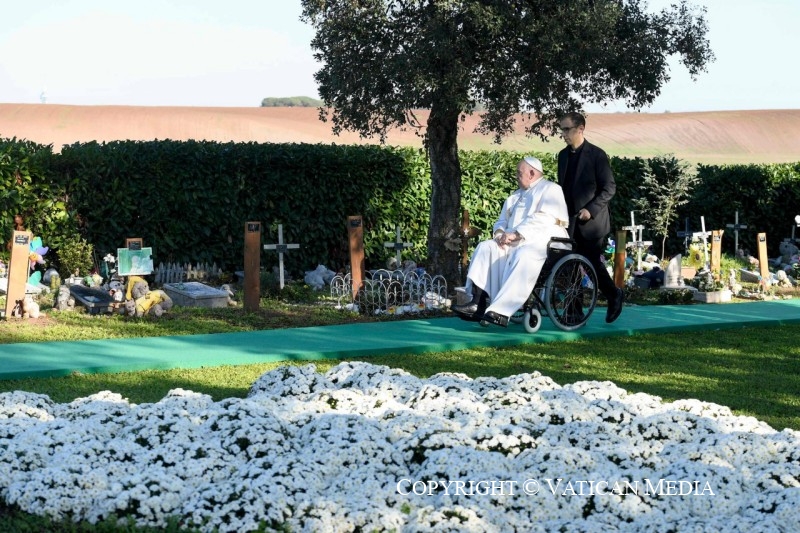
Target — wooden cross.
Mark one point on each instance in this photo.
(252, 265)
(686, 234)
(281, 248)
(703, 235)
(398, 246)
(716, 252)
(736, 227)
(355, 236)
(18, 272)
(639, 244)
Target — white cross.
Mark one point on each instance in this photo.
(703, 235)
(639, 244)
(632, 228)
(398, 246)
(796, 224)
(281, 248)
(736, 227)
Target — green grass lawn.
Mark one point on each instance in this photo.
(754, 371)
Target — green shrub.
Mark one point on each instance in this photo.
(75, 256)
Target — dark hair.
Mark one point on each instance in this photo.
(576, 118)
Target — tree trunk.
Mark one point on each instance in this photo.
(445, 194)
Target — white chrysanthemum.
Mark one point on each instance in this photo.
(371, 379)
(299, 381)
(313, 452)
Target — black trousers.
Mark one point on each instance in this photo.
(592, 250)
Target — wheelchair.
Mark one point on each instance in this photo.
(566, 290)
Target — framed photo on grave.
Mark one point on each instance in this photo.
(134, 243)
(134, 262)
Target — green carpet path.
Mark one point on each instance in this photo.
(338, 342)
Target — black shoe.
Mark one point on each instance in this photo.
(468, 309)
(615, 307)
(495, 318)
(472, 311)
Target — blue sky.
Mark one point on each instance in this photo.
(236, 52)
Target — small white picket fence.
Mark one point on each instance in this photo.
(176, 273)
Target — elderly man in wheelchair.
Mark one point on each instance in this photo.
(504, 273)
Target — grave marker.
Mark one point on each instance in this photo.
(398, 245)
(686, 234)
(716, 251)
(736, 227)
(673, 278)
(252, 265)
(796, 225)
(704, 235)
(762, 257)
(281, 248)
(639, 244)
(620, 255)
(18, 270)
(355, 234)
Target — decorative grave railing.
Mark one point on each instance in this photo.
(392, 292)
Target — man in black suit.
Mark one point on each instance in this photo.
(585, 176)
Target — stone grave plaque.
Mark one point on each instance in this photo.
(196, 294)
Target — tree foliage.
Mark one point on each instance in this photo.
(291, 101)
(666, 184)
(384, 58)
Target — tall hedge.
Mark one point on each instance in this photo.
(27, 188)
(190, 200)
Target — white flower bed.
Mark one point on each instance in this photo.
(368, 448)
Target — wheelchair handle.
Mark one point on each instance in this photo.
(571, 229)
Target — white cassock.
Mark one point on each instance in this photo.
(509, 273)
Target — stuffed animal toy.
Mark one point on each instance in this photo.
(30, 309)
(153, 299)
(116, 290)
(129, 308)
(227, 288)
(132, 280)
(156, 302)
(140, 288)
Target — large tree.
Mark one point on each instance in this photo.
(512, 59)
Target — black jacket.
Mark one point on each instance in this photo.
(593, 189)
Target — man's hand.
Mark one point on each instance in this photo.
(584, 215)
(504, 239)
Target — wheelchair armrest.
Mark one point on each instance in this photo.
(563, 240)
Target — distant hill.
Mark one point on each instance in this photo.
(718, 137)
(291, 101)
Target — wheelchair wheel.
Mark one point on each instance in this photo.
(532, 320)
(571, 292)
